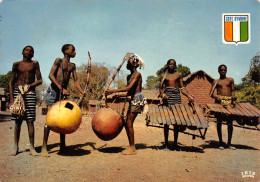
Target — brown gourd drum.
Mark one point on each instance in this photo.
(107, 124)
(64, 117)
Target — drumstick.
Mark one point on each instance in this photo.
(88, 78)
(113, 77)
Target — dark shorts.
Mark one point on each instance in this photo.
(52, 96)
(136, 108)
(137, 103)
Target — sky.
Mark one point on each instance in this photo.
(190, 31)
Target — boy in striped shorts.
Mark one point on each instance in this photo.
(25, 77)
(173, 83)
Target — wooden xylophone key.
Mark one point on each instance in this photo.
(158, 115)
(244, 111)
(176, 115)
(173, 119)
(252, 109)
(203, 120)
(196, 119)
(185, 115)
(214, 108)
(222, 109)
(255, 109)
(152, 115)
(190, 115)
(234, 110)
(166, 113)
(162, 114)
(177, 106)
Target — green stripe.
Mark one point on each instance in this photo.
(243, 31)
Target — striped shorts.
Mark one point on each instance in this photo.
(30, 105)
(173, 94)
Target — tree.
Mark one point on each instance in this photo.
(153, 82)
(98, 79)
(253, 75)
(254, 70)
(249, 89)
(183, 69)
(4, 81)
(249, 94)
(120, 78)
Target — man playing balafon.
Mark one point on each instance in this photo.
(171, 94)
(225, 96)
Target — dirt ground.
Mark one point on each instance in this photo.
(91, 159)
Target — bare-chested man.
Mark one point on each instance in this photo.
(171, 94)
(60, 76)
(136, 105)
(26, 75)
(225, 96)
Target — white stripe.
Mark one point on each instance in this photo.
(236, 31)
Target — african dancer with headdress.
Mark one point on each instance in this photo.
(137, 102)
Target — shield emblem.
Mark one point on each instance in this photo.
(236, 28)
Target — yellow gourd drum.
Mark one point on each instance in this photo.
(64, 117)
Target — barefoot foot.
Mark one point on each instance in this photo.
(44, 153)
(165, 147)
(15, 151)
(129, 151)
(33, 152)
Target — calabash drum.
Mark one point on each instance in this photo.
(64, 117)
(107, 124)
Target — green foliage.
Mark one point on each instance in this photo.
(152, 82)
(254, 70)
(249, 94)
(183, 69)
(249, 89)
(4, 81)
(161, 70)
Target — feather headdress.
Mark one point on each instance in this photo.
(137, 59)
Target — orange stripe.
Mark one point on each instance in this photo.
(229, 31)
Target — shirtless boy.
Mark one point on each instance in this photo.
(60, 76)
(171, 93)
(225, 95)
(23, 76)
(137, 102)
